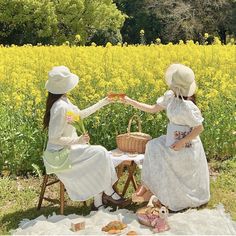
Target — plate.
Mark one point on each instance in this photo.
(117, 153)
(132, 154)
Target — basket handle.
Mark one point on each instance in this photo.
(137, 118)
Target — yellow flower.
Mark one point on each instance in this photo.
(108, 45)
(142, 31)
(77, 38)
(136, 70)
(69, 113)
(158, 40)
(76, 121)
(77, 118)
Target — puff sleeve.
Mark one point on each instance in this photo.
(164, 100)
(57, 125)
(193, 115)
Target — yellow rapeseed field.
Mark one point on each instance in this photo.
(137, 71)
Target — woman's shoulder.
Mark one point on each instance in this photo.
(191, 106)
(59, 105)
(165, 99)
(193, 113)
(169, 93)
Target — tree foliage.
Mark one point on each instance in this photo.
(138, 18)
(56, 21)
(174, 20)
(26, 21)
(86, 18)
(216, 17)
(85, 21)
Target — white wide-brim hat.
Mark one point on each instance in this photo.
(181, 80)
(61, 80)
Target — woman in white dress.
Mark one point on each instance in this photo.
(175, 168)
(91, 172)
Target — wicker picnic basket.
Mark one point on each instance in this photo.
(133, 142)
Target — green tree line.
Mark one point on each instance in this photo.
(172, 20)
(85, 21)
(58, 21)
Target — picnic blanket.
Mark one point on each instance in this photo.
(194, 222)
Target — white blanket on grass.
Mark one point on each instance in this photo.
(194, 222)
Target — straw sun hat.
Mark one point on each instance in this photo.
(181, 80)
(61, 80)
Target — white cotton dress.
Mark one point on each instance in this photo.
(92, 170)
(179, 179)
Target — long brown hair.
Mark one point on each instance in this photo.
(50, 101)
(191, 98)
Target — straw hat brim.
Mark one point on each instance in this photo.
(169, 75)
(71, 82)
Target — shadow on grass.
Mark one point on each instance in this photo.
(11, 221)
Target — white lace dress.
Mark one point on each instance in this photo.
(92, 170)
(180, 179)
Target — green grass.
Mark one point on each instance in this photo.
(19, 197)
(223, 186)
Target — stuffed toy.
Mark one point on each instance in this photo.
(154, 215)
(154, 202)
(160, 223)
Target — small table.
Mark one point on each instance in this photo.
(131, 163)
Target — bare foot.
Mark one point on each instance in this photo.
(141, 191)
(143, 198)
(147, 195)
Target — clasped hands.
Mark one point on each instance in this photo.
(117, 97)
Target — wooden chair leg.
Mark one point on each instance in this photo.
(62, 194)
(43, 188)
(131, 170)
(119, 172)
(62, 198)
(134, 182)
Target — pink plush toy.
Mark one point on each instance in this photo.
(155, 218)
(160, 224)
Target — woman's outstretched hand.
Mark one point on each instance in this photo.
(109, 99)
(141, 106)
(125, 100)
(115, 97)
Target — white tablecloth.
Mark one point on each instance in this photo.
(125, 157)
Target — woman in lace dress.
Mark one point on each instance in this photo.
(92, 172)
(175, 168)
